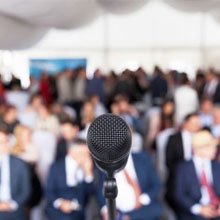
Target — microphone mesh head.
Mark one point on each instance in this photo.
(109, 138)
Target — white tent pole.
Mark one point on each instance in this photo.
(106, 34)
(203, 49)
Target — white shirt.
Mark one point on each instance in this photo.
(125, 200)
(5, 186)
(74, 173)
(136, 143)
(210, 87)
(202, 164)
(187, 144)
(186, 101)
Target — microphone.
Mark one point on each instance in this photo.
(109, 142)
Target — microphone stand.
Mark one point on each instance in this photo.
(110, 192)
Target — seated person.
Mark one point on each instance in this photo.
(178, 149)
(197, 182)
(9, 119)
(14, 182)
(138, 190)
(69, 131)
(70, 182)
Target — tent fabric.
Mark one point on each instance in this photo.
(15, 34)
(191, 6)
(121, 7)
(25, 22)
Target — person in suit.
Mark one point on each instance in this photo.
(70, 183)
(69, 131)
(158, 86)
(14, 182)
(178, 149)
(185, 98)
(179, 144)
(212, 87)
(138, 190)
(197, 182)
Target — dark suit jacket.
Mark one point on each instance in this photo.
(61, 149)
(187, 189)
(216, 95)
(174, 155)
(20, 188)
(174, 151)
(149, 183)
(57, 188)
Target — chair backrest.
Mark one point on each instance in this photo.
(45, 143)
(161, 143)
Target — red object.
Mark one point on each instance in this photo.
(214, 200)
(45, 91)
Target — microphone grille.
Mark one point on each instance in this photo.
(109, 138)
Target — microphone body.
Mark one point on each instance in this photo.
(109, 142)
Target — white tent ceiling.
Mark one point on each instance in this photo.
(29, 20)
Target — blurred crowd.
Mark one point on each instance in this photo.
(46, 171)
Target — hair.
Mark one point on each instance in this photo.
(70, 122)
(189, 116)
(9, 107)
(121, 97)
(78, 141)
(183, 79)
(167, 120)
(35, 95)
(205, 98)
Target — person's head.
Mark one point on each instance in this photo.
(206, 105)
(68, 73)
(183, 79)
(158, 70)
(192, 123)
(94, 99)
(123, 104)
(79, 151)
(36, 101)
(204, 145)
(210, 75)
(44, 76)
(22, 134)
(87, 113)
(200, 77)
(81, 72)
(10, 114)
(97, 73)
(23, 137)
(69, 129)
(4, 141)
(167, 108)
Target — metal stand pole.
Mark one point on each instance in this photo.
(110, 193)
